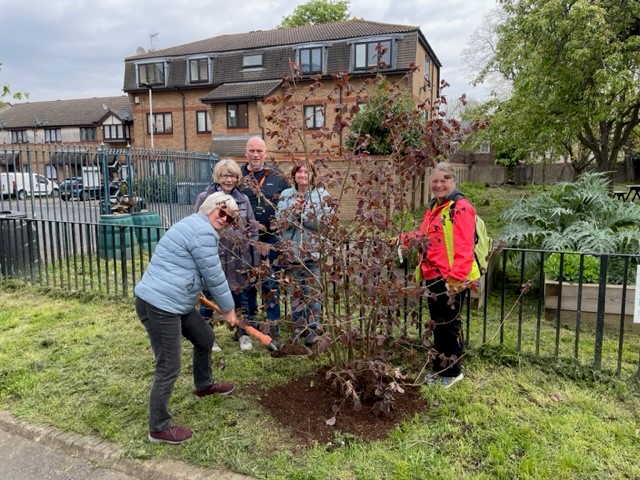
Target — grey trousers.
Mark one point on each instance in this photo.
(165, 332)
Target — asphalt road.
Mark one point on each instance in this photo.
(24, 459)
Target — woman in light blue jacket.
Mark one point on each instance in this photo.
(183, 263)
(303, 212)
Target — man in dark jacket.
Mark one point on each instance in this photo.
(263, 185)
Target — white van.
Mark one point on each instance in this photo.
(23, 184)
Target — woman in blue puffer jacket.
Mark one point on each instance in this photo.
(184, 262)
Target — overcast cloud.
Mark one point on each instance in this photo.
(63, 49)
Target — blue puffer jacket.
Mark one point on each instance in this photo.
(185, 262)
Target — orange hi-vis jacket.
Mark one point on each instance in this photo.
(450, 235)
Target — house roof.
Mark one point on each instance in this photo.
(241, 91)
(354, 28)
(64, 113)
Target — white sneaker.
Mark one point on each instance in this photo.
(216, 347)
(245, 343)
(446, 382)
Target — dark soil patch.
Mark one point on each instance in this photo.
(304, 405)
(292, 349)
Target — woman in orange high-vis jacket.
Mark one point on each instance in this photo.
(448, 268)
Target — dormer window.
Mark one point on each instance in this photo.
(199, 70)
(151, 74)
(310, 60)
(252, 60)
(373, 55)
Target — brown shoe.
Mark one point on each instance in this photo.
(220, 388)
(174, 435)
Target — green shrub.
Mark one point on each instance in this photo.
(571, 268)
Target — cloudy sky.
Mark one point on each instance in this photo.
(62, 49)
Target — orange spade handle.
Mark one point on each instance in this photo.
(263, 338)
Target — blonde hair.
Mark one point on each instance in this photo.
(228, 165)
(217, 200)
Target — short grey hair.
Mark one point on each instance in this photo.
(217, 200)
(446, 168)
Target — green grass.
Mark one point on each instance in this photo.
(83, 363)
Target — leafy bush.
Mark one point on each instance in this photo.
(571, 268)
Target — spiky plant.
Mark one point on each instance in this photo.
(578, 217)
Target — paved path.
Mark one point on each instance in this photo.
(32, 452)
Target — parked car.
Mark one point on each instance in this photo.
(74, 187)
(23, 184)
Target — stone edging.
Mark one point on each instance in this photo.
(109, 455)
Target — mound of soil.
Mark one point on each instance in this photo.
(304, 405)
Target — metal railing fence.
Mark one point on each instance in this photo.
(521, 310)
(164, 181)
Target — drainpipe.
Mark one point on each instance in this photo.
(184, 118)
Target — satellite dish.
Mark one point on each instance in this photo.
(105, 107)
(140, 51)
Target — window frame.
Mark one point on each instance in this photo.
(311, 117)
(309, 50)
(160, 116)
(121, 131)
(252, 64)
(371, 52)
(19, 136)
(56, 133)
(239, 112)
(155, 70)
(201, 64)
(203, 115)
(84, 137)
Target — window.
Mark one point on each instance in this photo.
(237, 115)
(162, 123)
(373, 54)
(253, 60)
(310, 60)
(313, 116)
(116, 132)
(163, 167)
(52, 135)
(19, 136)
(484, 148)
(427, 69)
(199, 70)
(203, 122)
(88, 134)
(150, 74)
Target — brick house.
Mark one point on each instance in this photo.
(61, 125)
(209, 95)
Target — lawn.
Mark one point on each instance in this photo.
(83, 363)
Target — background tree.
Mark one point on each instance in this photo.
(574, 67)
(317, 11)
(6, 91)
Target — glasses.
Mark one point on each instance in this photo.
(224, 215)
(229, 176)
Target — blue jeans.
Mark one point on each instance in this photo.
(165, 331)
(306, 291)
(269, 292)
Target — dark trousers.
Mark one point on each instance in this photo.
(165, 331)
(269, 290)
(447, 334)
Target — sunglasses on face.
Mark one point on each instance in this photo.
(224, 215)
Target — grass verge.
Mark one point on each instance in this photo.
(83, 363)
